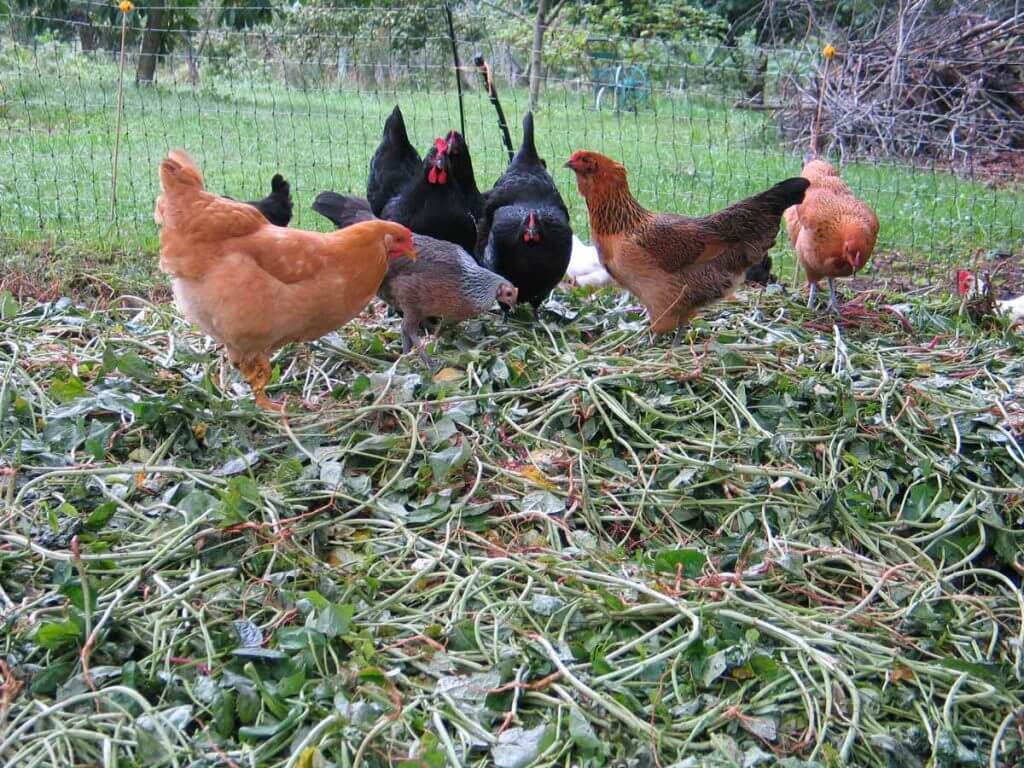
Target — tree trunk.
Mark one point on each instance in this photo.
(535, 58)
(193, 65)
(151, 41)
(82, 18)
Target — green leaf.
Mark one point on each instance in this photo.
(373, 675)
(921, 497)
(8, 305)
(100, 516)
(991, 673)
(54, 635)
(691, 560)
(334, 620)
(66, 389)
(50, 679)
(134, 367)
(247, 705)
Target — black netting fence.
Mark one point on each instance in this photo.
(934, 143)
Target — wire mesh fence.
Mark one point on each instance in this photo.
(305, 93)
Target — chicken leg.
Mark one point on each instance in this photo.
(833, 299)
(411, 338)
(812, 294)
(256, 371)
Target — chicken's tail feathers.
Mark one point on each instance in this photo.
(342, 210)
(178, 170)
(782, 196)
(528, 149)
(394, 126)
(279, 185)
(756, 219)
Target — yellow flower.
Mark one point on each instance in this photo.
(828, 51)
(126, 6)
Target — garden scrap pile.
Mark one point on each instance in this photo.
(771, 543)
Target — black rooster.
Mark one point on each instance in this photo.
(432, 203)
(393, 164)
(525, 234)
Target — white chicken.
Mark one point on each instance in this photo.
(585, 266)
(968, 285)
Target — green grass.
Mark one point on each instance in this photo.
(691, 155)
(571, 547)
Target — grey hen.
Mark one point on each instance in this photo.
(444, 282)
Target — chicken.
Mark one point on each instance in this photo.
(445, 282)
(585, 266)
(277, 206)
(462, 170)
(761, 272)
(968, 286)
(254, 286)
(432, 203)
(393, 164)
(525, 233)
(673, 264)
(832, 231)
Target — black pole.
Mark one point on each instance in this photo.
(455, 57)
(492, 92)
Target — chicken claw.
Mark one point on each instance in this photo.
(257, 372)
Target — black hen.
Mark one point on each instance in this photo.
(277, 206)
(761, 273)
(432, 203)
(525, 233)
(462, 170)
(393, 164)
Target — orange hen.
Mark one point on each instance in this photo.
(674, 264)
(832, 231)
(254, 286)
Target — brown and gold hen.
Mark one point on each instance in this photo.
(832, 231)
(673, 264)
(254, 286)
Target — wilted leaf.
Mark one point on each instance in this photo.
(517, 748)
(448, 374)
(444, 462)
(334, 620)
(543, 503)
(582, 732)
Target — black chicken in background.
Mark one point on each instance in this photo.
(393, 164)
(462, 170)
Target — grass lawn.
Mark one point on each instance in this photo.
(690, 155)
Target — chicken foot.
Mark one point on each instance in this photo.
(256, 371)
(411, 338)
(833, 298)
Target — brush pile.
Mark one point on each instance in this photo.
(938, 85)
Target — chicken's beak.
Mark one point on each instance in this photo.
(569, 165)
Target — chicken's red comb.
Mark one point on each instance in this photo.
(441, 146)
